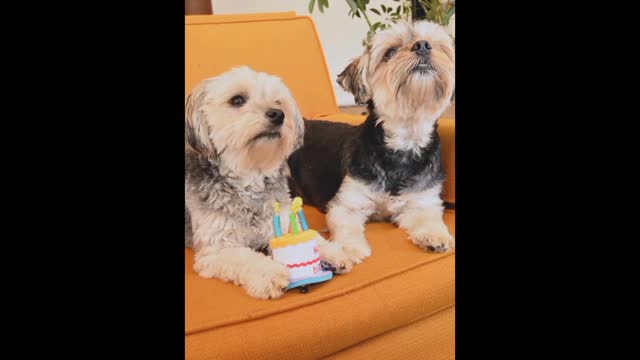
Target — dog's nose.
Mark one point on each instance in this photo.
(276, 116)
(421, 47)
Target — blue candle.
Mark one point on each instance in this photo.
(296, 206)
(303, 221)
(276, 220)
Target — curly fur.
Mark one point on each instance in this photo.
(235, 170)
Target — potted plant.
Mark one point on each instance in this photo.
(438, 11)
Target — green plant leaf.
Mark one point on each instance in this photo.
(311, 4)
(375, 11)
(384, 8)
(447, 18)
(352, 5)
(451, 11)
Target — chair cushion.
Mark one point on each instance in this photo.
(397, 284)
(431, 338)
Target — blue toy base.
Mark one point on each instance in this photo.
(324, 276)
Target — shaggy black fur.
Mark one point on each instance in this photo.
(333, 150)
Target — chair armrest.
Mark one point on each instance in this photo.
(447, 132)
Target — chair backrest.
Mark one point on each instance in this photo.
(282, 44)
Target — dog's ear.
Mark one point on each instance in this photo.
(195, 126)
(353, 80)
(299, 121)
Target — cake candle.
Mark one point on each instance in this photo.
(296, 206)
(293, 223)
(276, 220)
(303, 221)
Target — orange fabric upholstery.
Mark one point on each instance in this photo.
(279, 43)
(399, 303)
(398, 284)
(439, 345)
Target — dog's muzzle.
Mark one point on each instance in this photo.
(276, 119)
(275, 116)
(424, 65)
(422, 49)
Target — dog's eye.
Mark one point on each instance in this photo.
(390, 53)
(237, 100)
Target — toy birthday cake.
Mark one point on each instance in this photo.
(298, 249)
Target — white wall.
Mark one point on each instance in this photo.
(341, 36)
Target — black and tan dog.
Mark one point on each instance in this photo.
(389, 167)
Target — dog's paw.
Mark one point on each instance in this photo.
(434, 241)
(357, 252)
(269, 281)
(355, 247)
(327, 266)
(324, 230)
(334, 258)
(204, 266)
